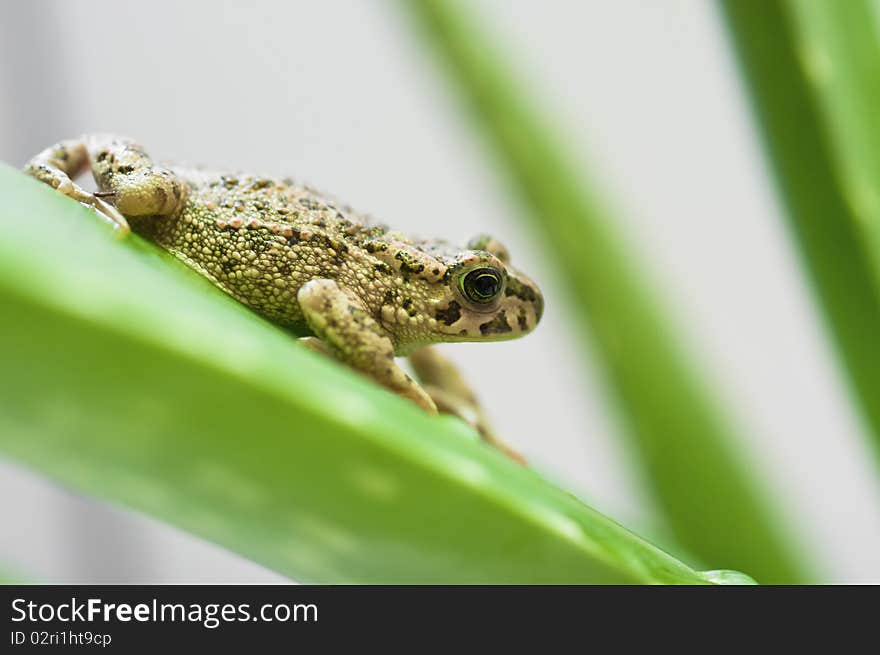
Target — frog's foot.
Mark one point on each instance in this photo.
(58, 165)
(453, 395)
(347, 332)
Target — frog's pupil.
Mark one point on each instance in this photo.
(485, 285)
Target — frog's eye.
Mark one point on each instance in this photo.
(482, 285)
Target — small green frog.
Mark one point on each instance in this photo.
(350, 287)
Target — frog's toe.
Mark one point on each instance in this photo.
(109, 212)
(420, 397)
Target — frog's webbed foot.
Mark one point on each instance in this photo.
(129, 183)
(348, 333)
(445, 384)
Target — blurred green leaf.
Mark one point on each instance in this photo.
(128, 377)
(714, 507)
(813, 69)
(7, 579)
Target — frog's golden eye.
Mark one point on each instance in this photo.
(482, 285)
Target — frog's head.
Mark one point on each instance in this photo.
(484, 297)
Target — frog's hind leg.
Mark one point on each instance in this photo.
(59, 165)
(129, 183)
(453, 395)
(348, 333)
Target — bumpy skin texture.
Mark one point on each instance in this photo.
(304, 261)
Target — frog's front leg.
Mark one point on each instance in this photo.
(352, 336)
(123, 171)
(445, 384)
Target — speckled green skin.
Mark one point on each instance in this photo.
(302, 260)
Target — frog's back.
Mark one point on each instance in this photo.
(261, 238)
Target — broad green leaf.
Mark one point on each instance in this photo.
(126, 376)
(687, 447)
(813, 69)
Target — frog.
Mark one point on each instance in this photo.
(346, 285)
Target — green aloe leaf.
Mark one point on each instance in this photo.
(813, 69)
(687, 447)
(128, 377)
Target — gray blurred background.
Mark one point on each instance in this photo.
(340, 94)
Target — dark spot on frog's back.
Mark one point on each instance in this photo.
(408, 264)
(261, 183)
(338, 245)
(449, 315)
(497, 325)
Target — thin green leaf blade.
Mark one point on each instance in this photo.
(130, 378)
(813, 69)
(686, 446)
